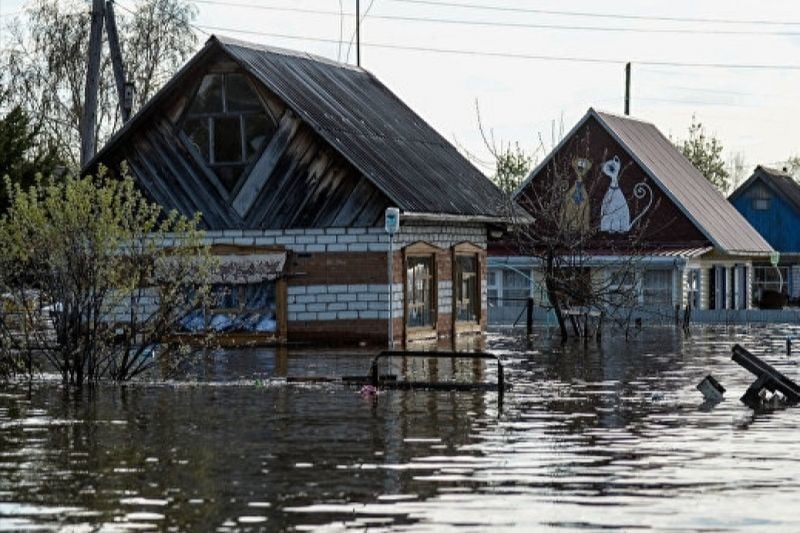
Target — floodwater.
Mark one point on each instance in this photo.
(609, 436)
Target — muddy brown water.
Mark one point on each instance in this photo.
(609, 436)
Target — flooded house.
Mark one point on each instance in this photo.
(293, 160)
(643, 204)
(770, 201)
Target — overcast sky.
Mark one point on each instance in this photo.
(752, 111)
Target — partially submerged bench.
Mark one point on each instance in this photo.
(767, 378)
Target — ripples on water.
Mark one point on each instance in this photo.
(597, 437)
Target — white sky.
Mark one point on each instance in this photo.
(752, 111)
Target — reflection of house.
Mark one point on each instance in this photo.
(295, 158)
(692, 246)
(770, 201)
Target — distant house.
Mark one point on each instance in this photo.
(695, 249)
(770, 201)
(292, 160)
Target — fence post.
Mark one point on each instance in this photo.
(529, 317)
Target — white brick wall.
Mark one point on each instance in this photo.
(352, 239)
(343, 302)
(445, 292)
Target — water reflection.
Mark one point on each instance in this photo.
(610, 435)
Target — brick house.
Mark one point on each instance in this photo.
(693, 248)
(292, 161)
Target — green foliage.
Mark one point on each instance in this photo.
(22, 155)
(704, 151)
(512, 165)
(96, 277)
(44, 61)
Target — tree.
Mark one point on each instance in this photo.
(511, 162)
(512, 165)
(565, 232)
(96, 279)
(704, 151)
(22, 153)
(45, 63)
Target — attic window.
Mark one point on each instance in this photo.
(227, 125)
(761, 198)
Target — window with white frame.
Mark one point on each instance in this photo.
(516, 288)
(494, 287)
(657, 287)
(693, 287)
(768, 277)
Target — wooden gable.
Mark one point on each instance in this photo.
(637, 205)
(294, 179)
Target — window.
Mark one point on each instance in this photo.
(693, 288)
(494, 288)
(466, 288)
(419, 291)
(761, 198)
(657, 287)
(516, 288)
(768, 278)
(622, 288)
(239, 308)
(227, 125)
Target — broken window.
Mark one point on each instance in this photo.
(227, 125)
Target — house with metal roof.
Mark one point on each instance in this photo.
(770, 201)
(637, 196)
(292, 161)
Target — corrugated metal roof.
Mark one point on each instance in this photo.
(691, 192)
(779, 181)
(390, 145)
(371, 127)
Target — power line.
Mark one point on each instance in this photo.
(519, 25)
(514, 55)
(595, 14)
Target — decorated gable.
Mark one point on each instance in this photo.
(591, 184)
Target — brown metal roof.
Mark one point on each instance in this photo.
(694, 195)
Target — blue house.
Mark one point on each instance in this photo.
(770, 201)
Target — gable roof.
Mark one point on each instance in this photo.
(348, 107)
(688, 189)
(781, 182)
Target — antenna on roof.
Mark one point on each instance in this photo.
(627, 89)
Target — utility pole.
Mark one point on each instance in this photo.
(92, 83)
(358, 33)
(627, 89)
(116, 60)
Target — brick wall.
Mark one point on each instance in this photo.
(337, 277)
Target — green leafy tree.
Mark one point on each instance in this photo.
(512, 165)
(96, 279)
(44, 60)
(22, 153)
(704, 151)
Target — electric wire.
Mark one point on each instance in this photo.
(516, 55)
(624, 16)
(496, 24)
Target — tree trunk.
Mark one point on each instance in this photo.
(553, 296)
